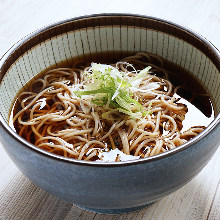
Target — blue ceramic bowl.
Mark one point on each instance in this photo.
(104, 186)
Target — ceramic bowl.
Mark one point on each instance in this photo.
(103, 186)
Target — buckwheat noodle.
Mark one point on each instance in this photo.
(54, 119)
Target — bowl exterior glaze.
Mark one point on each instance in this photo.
(112, 187)
(123, 186)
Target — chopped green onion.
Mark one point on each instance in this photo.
(108, 86)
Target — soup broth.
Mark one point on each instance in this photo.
(130, 137)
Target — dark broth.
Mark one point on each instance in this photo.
(200, 109)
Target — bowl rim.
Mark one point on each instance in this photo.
(188, 144)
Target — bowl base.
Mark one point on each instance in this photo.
(116, 211)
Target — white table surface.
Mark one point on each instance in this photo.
(21, 199)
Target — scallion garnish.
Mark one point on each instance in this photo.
(108, 86)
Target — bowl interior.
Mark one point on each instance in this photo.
(106, 34)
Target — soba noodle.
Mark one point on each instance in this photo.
(54, 118)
